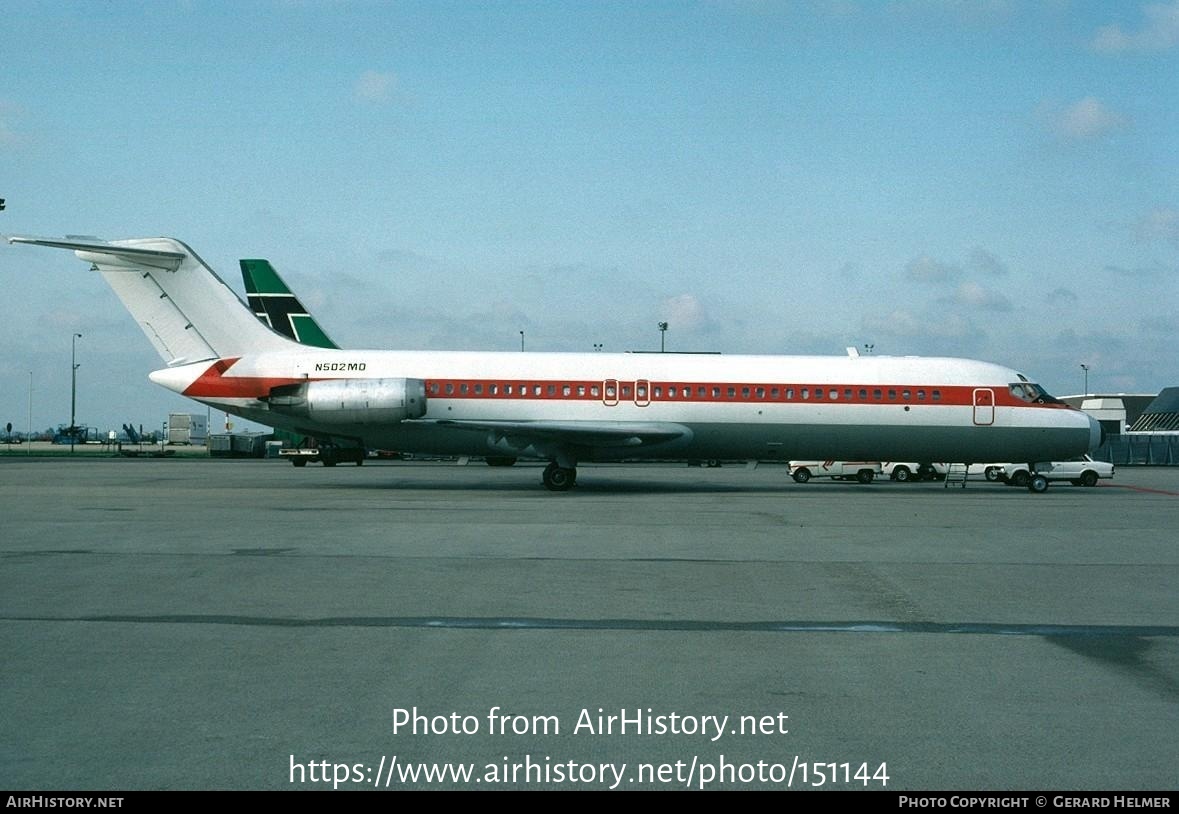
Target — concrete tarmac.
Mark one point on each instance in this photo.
(201, 624)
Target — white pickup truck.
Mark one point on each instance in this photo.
(862, 471)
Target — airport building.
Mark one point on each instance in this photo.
(1139, 429)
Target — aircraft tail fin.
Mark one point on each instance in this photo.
(186, 311)
(276, 305)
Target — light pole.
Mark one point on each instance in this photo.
(662, 336)
(29, 437)
(597, 346)
(1086, 369)
(73, 388)
(521, 341)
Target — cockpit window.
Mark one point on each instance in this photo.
(1032, 393)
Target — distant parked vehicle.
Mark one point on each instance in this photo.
(1082, 471)
(862, 471)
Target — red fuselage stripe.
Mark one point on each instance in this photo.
(643, 391)
(214, 383)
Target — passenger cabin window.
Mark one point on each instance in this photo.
(863, 394)
(806, 393)
(936, 395)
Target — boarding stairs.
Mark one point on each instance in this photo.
(956, 475)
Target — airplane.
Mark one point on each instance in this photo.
(572, 407)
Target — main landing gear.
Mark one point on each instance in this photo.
(559, 478)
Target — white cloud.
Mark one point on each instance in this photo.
(374, 86)
(1084, 119)
(686, 313)
(973, 295)
(1159, 31)
(7, 134)
(1140, 272)
(1062, 297)
(925, 269)
(1161, 224)
(983, 262)
(903, 323)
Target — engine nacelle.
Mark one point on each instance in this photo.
(352, 401)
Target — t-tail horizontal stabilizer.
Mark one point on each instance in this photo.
(186, 311)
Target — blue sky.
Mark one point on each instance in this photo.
(989, 179)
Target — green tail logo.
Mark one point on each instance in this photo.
(278, 307)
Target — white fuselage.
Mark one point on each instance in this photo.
(705, 406)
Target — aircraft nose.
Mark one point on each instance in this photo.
(1096, 434)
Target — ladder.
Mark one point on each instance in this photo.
(956, 474)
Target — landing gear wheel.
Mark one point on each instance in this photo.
(865, 475)
(1037, 484)
(559, 478)
(1021, 478)
(801, 476)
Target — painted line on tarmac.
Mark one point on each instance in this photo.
(1145, 489)
(690, 625)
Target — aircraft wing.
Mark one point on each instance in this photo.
(576, 433)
